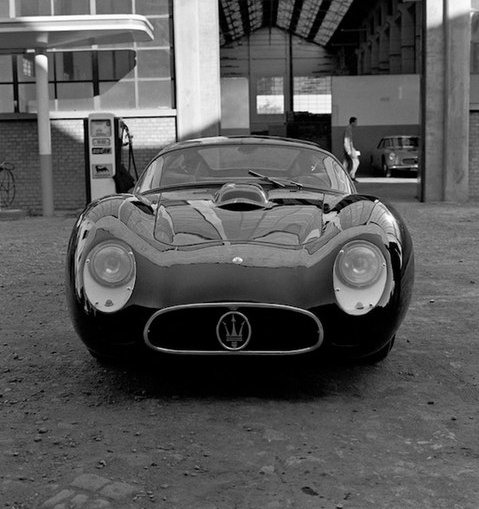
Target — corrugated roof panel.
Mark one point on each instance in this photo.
(332, 20)
(317, 20)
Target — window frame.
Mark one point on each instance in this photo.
(165, 98)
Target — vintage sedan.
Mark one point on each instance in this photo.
(395, 155)
(234, 246)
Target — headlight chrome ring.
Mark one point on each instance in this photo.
(360, 264)
(111, 263)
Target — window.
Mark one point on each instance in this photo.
(6, 68)
(145, 80)
(147, 7)
(74, 96)
(124, 76)
(155, 94)
(115, 65)
(113, 7)
(26, 67)
(475, 58)
(312, 95)
(120, 95)
(69, 7)
(6, 99)
(269, 96)
(4, 7)
(73, 66)
(405, 142)
(29, 8)
(27, 97)
(154, 63)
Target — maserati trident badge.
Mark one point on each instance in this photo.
(233, 331)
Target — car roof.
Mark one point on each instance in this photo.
(242, 140)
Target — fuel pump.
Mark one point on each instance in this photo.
(105, 136)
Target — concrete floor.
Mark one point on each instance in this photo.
(401, 434)
(393, 189)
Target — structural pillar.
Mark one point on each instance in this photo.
(44, 134)
(197, 68)
(458, 77)
(445, 98)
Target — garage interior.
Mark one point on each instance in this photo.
(287, 68)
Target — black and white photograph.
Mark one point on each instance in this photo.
(239, 254)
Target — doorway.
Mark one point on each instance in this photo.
(289, 86)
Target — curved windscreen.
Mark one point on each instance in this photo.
(232, 163)
(405, 142)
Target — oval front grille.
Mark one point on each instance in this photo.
(234, 328)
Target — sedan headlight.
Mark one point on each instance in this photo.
(111, 264)
(359, 276)
(360, 264)
(392, 156)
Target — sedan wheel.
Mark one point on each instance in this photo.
(387, 171)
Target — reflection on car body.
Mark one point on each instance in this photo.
(240, 246)
(396, 154)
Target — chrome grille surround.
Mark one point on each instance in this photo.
(233, 306)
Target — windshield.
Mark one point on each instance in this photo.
(226, 163)
(406, 142)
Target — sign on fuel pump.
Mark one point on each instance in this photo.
(101, 139)
(105, 136)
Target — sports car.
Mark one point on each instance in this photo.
(235, 246)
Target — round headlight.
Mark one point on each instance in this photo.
(392, 156)
(111, 264)
(360, 264)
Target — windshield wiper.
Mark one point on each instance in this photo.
(183, 185)
(283, 183)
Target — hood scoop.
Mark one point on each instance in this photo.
(241, 197)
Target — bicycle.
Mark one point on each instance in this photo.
(7, 184)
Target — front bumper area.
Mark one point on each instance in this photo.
(233, 328)
(277, 330)
(403, 167)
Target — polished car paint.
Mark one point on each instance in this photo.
(287, 252)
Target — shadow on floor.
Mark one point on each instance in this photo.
(391, 189)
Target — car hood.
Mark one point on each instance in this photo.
(283, 218)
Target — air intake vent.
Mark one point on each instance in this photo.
(241, 197)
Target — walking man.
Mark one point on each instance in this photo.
(351, 155)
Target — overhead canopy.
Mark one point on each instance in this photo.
(313, 20)
(40, 33)
(44, 32)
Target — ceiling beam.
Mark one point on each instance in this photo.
(243, 4)
(270, 12)
(298, 6)
(322, 11)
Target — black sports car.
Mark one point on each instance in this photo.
(240, 246)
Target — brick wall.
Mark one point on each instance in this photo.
(19, 145)
(474, 155)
